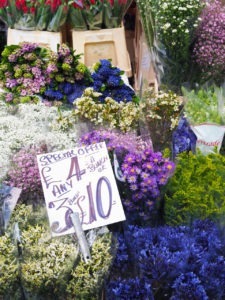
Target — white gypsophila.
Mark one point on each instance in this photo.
(28, 124)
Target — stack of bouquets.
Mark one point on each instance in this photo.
(34, 15)
(28, 71)
(23, 72)
(69, 77)
(40, 267)
(97, 14)
(144, 172)
(109, 101)
(182, 262)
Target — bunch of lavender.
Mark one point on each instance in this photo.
(209, 48)
(24, 172)
(175, 262)
(108, 81)
(69, 77)
(23, 72)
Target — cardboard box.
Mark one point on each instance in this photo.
(103, 44)
(43, 38)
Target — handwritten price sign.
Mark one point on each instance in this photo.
(80, 180)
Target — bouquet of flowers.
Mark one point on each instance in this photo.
(209, 50)
(69, 77)
(168, 262)
(107, 79)
(97, 14)
(23, 72)
(34, 15)
(160, 113)
(144, 172)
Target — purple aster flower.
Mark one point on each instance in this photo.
(131, 178)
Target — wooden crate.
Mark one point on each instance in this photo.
(43, 38)
(103, 44)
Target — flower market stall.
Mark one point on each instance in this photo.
(107, 192)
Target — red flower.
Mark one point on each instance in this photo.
(3, 3)
(92, 2)
(78, 4)
(32, 10)
(54, 4)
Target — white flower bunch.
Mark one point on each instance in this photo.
(176, 21)
(28, 124)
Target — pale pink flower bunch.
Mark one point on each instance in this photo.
(24, 172)
(209, 48)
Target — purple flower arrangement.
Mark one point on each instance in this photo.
(24, 172)
(209, 48)
(145, 172)
(68, 76)
(108, 81)
(169, 263)
(23, 72)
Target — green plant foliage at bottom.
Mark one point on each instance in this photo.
(88, 278)
(38, 267)
(196, 190)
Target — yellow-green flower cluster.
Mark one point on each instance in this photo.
(88, 278)
(161, 106)
(8, 267)
(123, 115)
(160, 112)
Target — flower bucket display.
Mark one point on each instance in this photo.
(103, 44)
(209, 137)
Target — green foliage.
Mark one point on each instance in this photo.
(88, 278)
(204, 105)
(196, 190)
(9, 280)
(50, 268)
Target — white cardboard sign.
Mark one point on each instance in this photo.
(209, 137)
(80, 180)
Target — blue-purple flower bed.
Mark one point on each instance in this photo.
(184, 262)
